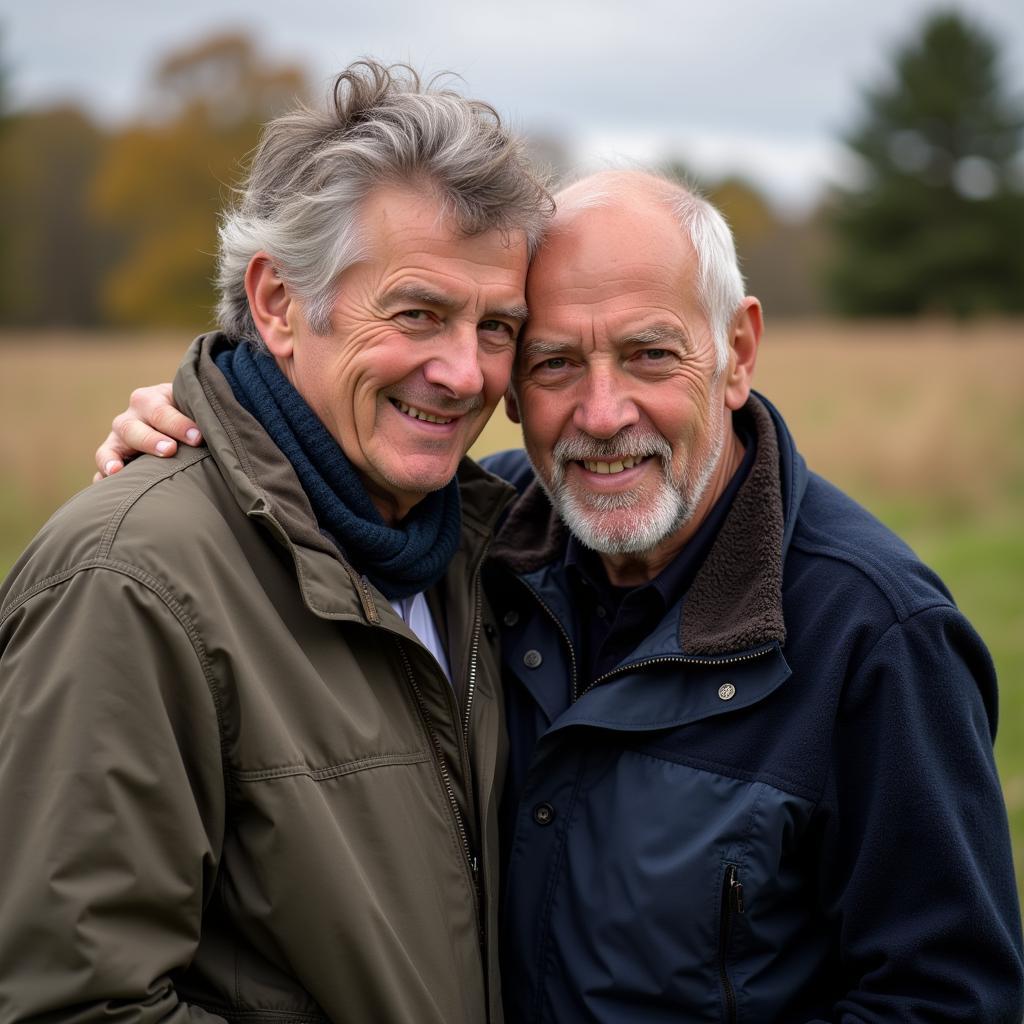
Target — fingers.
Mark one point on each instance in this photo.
(154, 407)
(112, 455)
(150, 424)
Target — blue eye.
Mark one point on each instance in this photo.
(494, 325)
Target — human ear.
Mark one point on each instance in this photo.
(744, 338)
(272, 306)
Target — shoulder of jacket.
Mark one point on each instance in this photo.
(852, 547)
(150, 506)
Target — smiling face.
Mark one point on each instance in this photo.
(625, 419)
(420, 349)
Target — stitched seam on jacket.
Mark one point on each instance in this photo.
(249, 469)
(187, 459)
(854, 670)
(170, 603)
(229, 428)
(731, 772)
(231, 1013)
(333, 771)
(879, 574)
(655, 723)
(422, 714)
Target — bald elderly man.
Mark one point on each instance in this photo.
(750, 772)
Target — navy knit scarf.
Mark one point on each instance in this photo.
(399, 562)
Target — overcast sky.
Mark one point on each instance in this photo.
(755, 86)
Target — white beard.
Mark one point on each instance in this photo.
(648, 519)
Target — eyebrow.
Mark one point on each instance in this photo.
(517, 312)
(428, 297)
(536, 347)
(416, 293)
(659, 334)
(656, 334)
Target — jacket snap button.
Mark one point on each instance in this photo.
(511, 618)
(544, 814)
(532, 659)
(727, 691)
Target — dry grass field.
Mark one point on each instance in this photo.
(923, 423)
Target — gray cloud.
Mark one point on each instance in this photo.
(702, 77)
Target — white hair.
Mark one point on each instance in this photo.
(720, 288)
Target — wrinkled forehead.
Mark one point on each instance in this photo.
(405, 224)
(610, 260)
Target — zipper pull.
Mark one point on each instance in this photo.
(735, 889)
(366, 599)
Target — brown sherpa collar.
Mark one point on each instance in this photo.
(735, 601)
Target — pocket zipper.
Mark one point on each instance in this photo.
(732, 904)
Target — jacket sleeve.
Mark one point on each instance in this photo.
(917, 870)
(111, 798)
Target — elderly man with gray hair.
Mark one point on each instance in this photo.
(249, 717)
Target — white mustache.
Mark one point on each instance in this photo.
(629, 444)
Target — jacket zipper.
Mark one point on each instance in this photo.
(362, 585)
(732, 904)
(686, 659)
(446, 779)
(369, 607)
(468, 773)
(474, 651)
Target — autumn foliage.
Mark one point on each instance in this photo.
(116, 226)
(119, 227)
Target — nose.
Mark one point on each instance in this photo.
(604, 407)
(455, 365)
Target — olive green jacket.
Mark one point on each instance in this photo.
(233, 784)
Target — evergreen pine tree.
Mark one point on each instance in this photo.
(938, 223)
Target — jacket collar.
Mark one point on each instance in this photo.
(735, 601)
(266, 487)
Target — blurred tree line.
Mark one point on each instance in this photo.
(118, 226)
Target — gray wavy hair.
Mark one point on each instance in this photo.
(313, 169)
